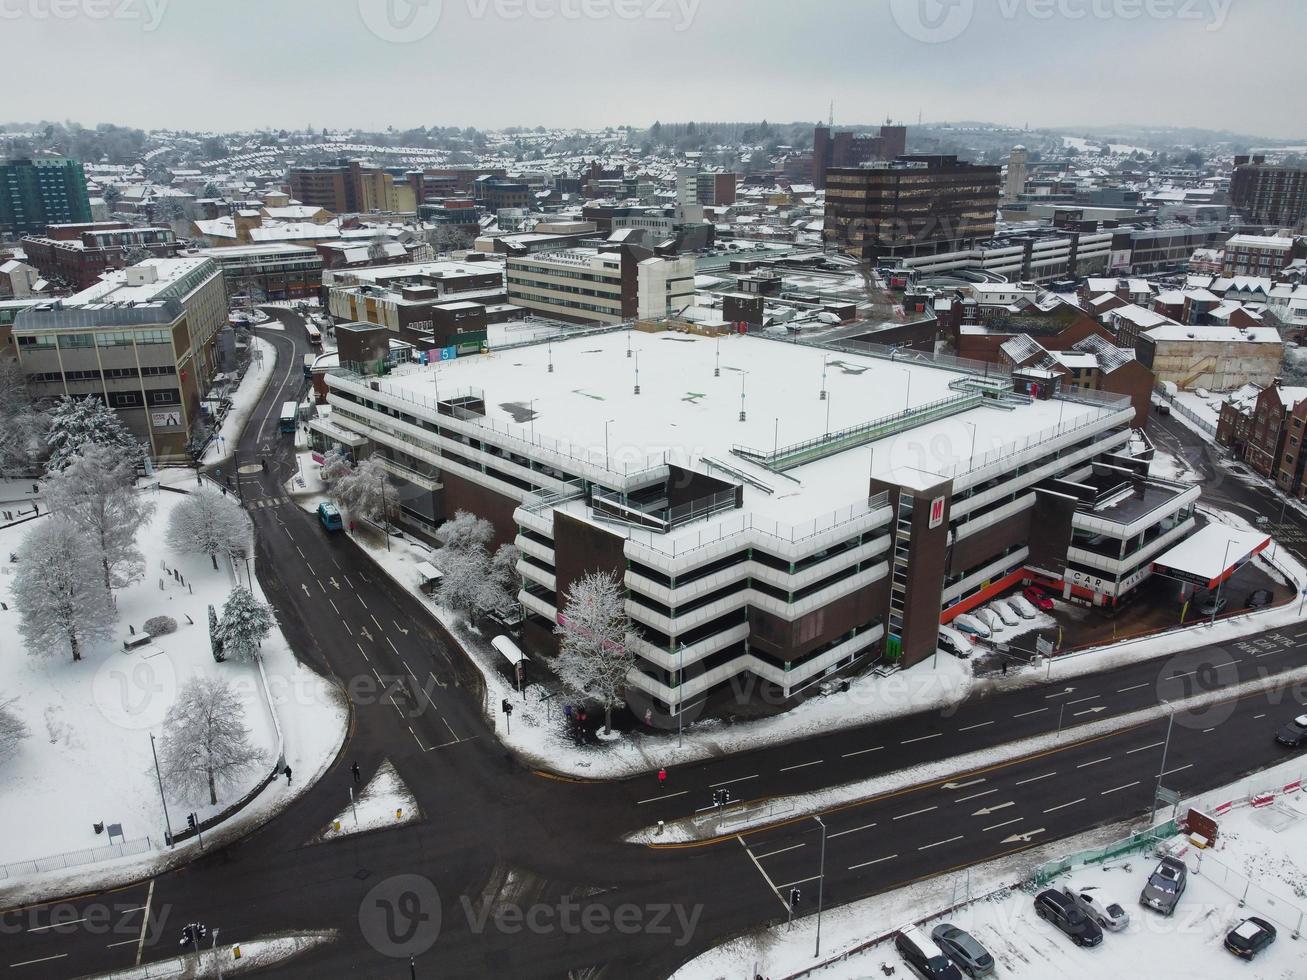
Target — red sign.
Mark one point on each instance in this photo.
(936, 512)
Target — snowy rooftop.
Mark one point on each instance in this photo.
(587, 408)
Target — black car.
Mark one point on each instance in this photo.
(1052, 906)
(1293, 734)
(1258, 598)
(1250, 937)
(924, 957)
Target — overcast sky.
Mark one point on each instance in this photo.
(235, 64)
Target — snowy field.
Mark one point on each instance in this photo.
(88, 757)
(1268, 846)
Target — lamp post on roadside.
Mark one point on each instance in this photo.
(1162, 769)
(167, 822)
(680, 700)
(1216, 600)
(821, 882)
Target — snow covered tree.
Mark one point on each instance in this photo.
(594, 654)
(209, 523)
(59, 591)
(366, 491)
(77, 421)
(335, 467)
(245, 622)
(205, 741)
(12, 729)
(22, 428)
(497, 592)
(462, 577)
(466, 531)
(95, 492)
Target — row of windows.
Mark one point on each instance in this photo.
(94, 374)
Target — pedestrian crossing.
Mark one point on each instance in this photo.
(266, 502)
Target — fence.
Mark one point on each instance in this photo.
(1180, 408)
(73, 859)
(1128, 845)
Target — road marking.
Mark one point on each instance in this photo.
(970, 727)
(1187, 673)
(1178, 769)
(987, 810)
(1206, 730)
(1025, 713)
(765, 877)
(974, 796)
(377, 621)
(728, 782)
(849, 755)
(56, 925)
(973, 782)
(867, 864)
(1035, 779)
(940, 843)
(1091, 697)
(779, 850)
(1063, 806)
(124, 942)
(333, 606)
(1086, 765)
(1005, 823)
(347, 581)
(301, 551)
(44, 959)
(1122, 690)
(802, 765)
(364, 652)
(1255, 717)
(396, 649)
(1117, 788)
(915, 813)
(409, 669)
(415, 737)
(655, 799)
(362, 603)
(1143, 748)
(346, 625)
(140, 942)
(801, 881)
(909, 741)
(851, 830)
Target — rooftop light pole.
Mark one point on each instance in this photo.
(637, 373)
(822, 396)
(907, 396)
(742, 415)
(607, 423)
(972, 458)
(717, 367)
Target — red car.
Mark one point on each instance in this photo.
(1038, 598)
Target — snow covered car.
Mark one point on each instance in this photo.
(1165, 886)
(1250, 937)
(1098, 905)
(990, 618)
(955, 642)
(970, 624)
(1023, 607)
(1005, 613)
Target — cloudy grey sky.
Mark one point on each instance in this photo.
(228, 64)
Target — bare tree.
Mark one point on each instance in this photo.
(205, 741)
(96, 492)
(594, 656)
(12, 729)
(245, 623)
(59, 592)
(208, 523)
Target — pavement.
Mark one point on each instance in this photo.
(517, 872)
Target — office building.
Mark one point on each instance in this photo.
(38, 192)
(1267, 194)
(845, 148)
(592, 285)
(78, 255)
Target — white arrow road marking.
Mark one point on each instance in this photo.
(1088, 711)
(305, 588)
(334, 583)
(1023, 838)
(400, 628)
(986, 811)
(974, 782)
(366, 634)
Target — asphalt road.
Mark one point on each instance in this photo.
(526, 876)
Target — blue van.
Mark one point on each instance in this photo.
(329, 515)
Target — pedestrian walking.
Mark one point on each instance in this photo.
(355, 770)
(662, 777)
(264, 464)
(288, 775)
(648, 717)
(36, 508)
(1005, 668)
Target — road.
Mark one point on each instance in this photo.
(529, 877)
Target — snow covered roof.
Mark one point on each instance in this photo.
(1214, 334)
(1206, 555)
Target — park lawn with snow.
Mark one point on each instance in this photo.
(88, 758)
(1264, 849)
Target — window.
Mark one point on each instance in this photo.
(69, 341)
(125, 399)
(167, 396)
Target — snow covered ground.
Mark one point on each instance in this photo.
(244, 400)
(1268, 846)
(257, 954)
(88, 757)
(1208, 409)
(384, 802)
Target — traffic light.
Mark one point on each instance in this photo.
(194, 934)
(190, 820)
(795, 897)
(720, 797)
(507, 706)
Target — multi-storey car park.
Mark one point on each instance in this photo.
(774, 509)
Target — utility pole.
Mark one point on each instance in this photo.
(167, 823)
(1152, 817)
(821, 884)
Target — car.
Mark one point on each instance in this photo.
(1250, 937)
(1038, 598)
(1258, 598)
(1005, 612)
(1165, 886)
(1098, 905)
(1052, 906)
(970, 624)
(1023, 606)
(329, 515)
(962, 948)
(1294, 734)
(990, 618)
(1212, 604)
(923, 957)
(955, 642)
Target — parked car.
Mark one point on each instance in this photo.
(963, 949)
(990, 618)
(1023, 606)
(1293, 734)
(955, 642)
(1052, 906)
(1212, 604)
(1258, 598)
(1005, 613)
(970, 624)
(1250, 937)
(1038, 598)
(1098, 905)
(329, 515)
(924, 957)
(1165, 886)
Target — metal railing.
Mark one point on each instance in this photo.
(619, 507)
(1182, 409)
(1141, 841)
(74, 859)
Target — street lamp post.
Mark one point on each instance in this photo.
(1152, 817)
(1216, 601)
(972, 457)
(907, 395)
(680, 699)
(821, 882)
(607, 423)
(167, 822)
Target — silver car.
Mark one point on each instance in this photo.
(963, 949)
(1165, 886)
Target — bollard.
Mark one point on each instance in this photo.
(399, 813)
(335, 825)
(235, 952)
(160, 585)
(659, 831)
